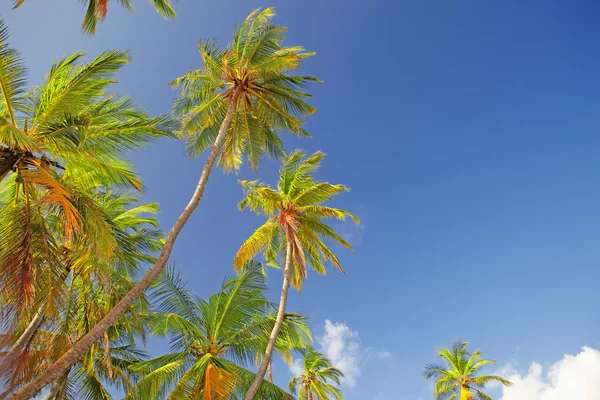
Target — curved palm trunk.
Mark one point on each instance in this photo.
(77, 351)
(21, 344)
(287, 275)
(58, 386)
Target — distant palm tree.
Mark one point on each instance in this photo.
(458, 379)
(295, 229)
(96, 10)
(236, 104)
(313, 384)
(212, 340)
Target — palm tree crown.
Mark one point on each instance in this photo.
(96, 10)
(313, 384)
(458, 379)
(213, 340)
(252, 74)
(296, 215)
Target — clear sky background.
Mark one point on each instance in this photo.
(468, 132)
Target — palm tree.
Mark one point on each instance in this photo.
(458, 380)
(57, 141)
(96, 10)
(249, 83)
(212, 340)
(89, 287)
(107, 361)
(294, 228)
(313, 384)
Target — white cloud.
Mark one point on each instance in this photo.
(573, 377)
(296, 367)
(342, 346)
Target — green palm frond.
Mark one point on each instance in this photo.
(12, 79)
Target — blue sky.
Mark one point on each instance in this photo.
(468, 132)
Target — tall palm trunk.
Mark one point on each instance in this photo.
(270, 370)
(287, 276)
(7, 362)
(77, 351)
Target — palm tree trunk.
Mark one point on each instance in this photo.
(77, 351)
(7, 362)
(270, 370)
(287, 275)
(57, 386)
(465, 393)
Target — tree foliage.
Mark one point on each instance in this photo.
(81, 294)
(313, 383)
(62, 147)
(257, 66)
(296, 214)
(458, 379)
(96, 11)
(213, 341)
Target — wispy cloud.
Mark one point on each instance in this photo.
(352, 232)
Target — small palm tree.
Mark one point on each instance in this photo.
(295, 229)
(236, 104)
(313, 384)
(212, 340)
(458, 379)
(96, 10)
